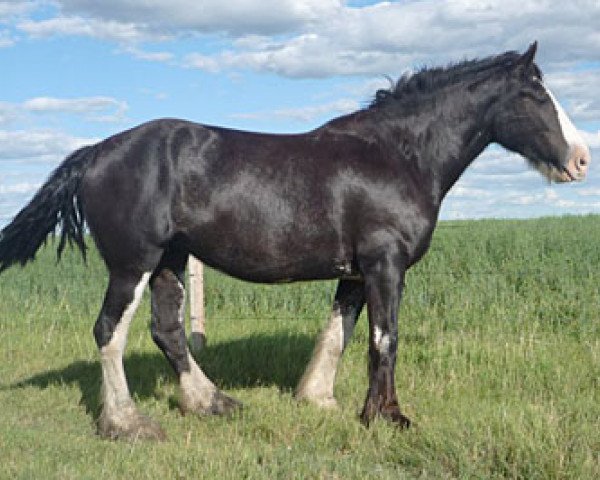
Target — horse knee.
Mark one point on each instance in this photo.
(167, 319)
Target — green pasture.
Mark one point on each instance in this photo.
(498, 366)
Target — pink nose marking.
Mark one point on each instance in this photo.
(579, 160)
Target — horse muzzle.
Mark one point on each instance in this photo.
(577, 164)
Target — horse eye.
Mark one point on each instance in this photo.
(537, 82)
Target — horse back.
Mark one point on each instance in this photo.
(258, 206)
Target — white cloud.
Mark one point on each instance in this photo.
(235, 17)
(25, 188)
(99, 108)
(592, 139)
(309, 55)
(135, 21)
(575, 87)
(319, 38)
(88, 27)
(38, 145)
(494, 199)
(15, 8)
(305, 114)
(463, 191)
(497, 161)
(589, 192)
(548, 195)
(388, 37)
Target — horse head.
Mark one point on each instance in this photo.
(529, 120)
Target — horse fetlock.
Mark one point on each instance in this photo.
(389, 410)
(328, 403)
(224, 405)
(394, 415)
(316, 396)
(130, 425)
(369, 412)
(316, 385)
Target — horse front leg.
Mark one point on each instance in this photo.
(384, 281)
(316, 384)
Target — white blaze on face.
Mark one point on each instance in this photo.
(569, 131)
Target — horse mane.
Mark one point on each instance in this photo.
(430, 79)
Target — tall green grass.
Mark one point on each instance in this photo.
(498, 365)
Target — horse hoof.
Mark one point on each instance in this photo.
(136, 427)
(328, 403)
(220, 404)
(401, 421)
(224, 405)
(391, 413)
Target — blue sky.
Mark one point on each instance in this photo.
(76, 71)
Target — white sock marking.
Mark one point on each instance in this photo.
(376, 335)
(319, 377)
(115, 392)
(196, 388)
(381, 340)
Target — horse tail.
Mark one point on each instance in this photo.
(56, 203)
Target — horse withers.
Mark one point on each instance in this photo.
(356, 199)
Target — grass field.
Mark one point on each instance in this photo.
(498, 365)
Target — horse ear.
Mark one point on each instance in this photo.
(527, 58)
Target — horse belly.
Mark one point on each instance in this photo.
(264, 255)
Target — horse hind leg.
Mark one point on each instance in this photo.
(198, 394)
(317, 382)
(119, 418)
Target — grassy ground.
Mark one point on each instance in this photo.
(498, 365)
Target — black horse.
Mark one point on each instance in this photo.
(356, 199)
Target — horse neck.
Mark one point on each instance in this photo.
(448, 131)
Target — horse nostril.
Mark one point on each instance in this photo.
(581, 164)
